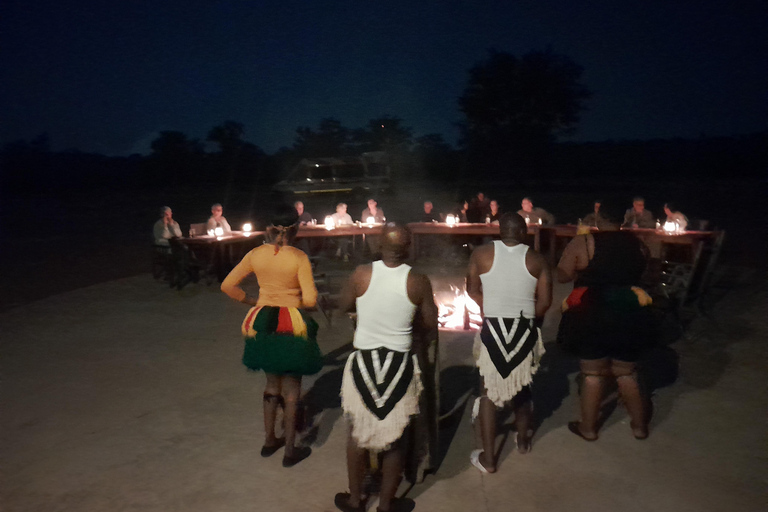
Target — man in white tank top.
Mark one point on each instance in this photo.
(382, 379)
(513, 286)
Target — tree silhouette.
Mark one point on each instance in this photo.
(176, 156)
(330, 139)
(385, 133)
(515, 108)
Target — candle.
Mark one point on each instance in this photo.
(370, 221)
(218, 231)
(247, 227)
(670, 227)
(329, 223)
(450, 220)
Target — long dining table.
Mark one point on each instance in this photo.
(217, 253)
(548, 239)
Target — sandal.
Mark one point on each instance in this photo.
(341, 500)
(267, 451)
(573, 426)
(474, 458)
(299, 454)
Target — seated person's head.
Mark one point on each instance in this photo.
(341, 208)
(597, 205)
(527, 205)
(494, 207)
(299, 206)
(668, 209)
(166, 212)
(427, 206)
(372, 204)
(638, 204)
(217, 210)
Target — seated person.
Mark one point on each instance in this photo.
(428, 215)
(478, 209)
(494, 215)
(596, 219)
(638, 216)
(534, 215)
(166, 228)
(462, 212)
(342, 218)
(304, 217)
(217, 220)
(675, 216)
(373, 211)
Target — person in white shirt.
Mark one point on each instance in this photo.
(217, 219)
(342, 218)
(513, 287)
(381, 384)
(675, 216)
(166, 228)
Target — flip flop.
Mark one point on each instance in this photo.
(267, 451)
(573, 426)
(474, 458)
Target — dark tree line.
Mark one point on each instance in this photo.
(513, 111)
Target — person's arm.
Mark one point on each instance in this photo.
(348, 294)
(211, 224)
(543, 290)
(474, 283)
(231, 284)
(426, 323)
(307, 282)
(176, 229)
(570, 261)
(225, 225)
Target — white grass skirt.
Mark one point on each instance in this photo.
(502, 390)
(368, 431)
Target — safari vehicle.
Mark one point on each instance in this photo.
(358, 175)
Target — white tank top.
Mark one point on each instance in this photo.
(508, 288)
(384, 311)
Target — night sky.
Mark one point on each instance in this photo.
(106, 76)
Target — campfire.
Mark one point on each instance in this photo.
(456, 310)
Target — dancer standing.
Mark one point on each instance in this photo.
(279, 337)
(513, 287)
(382, 378)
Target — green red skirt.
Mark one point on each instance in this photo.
(281, 341)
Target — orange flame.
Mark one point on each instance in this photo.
(457, 310)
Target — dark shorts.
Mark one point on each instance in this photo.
(608, 323)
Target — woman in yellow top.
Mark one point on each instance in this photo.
(279, 338)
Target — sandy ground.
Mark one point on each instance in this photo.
(128, 395)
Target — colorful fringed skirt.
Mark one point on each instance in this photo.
(607, 321)
(281, 341)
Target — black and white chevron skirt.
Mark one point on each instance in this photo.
(379, 394)
(507, 352)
